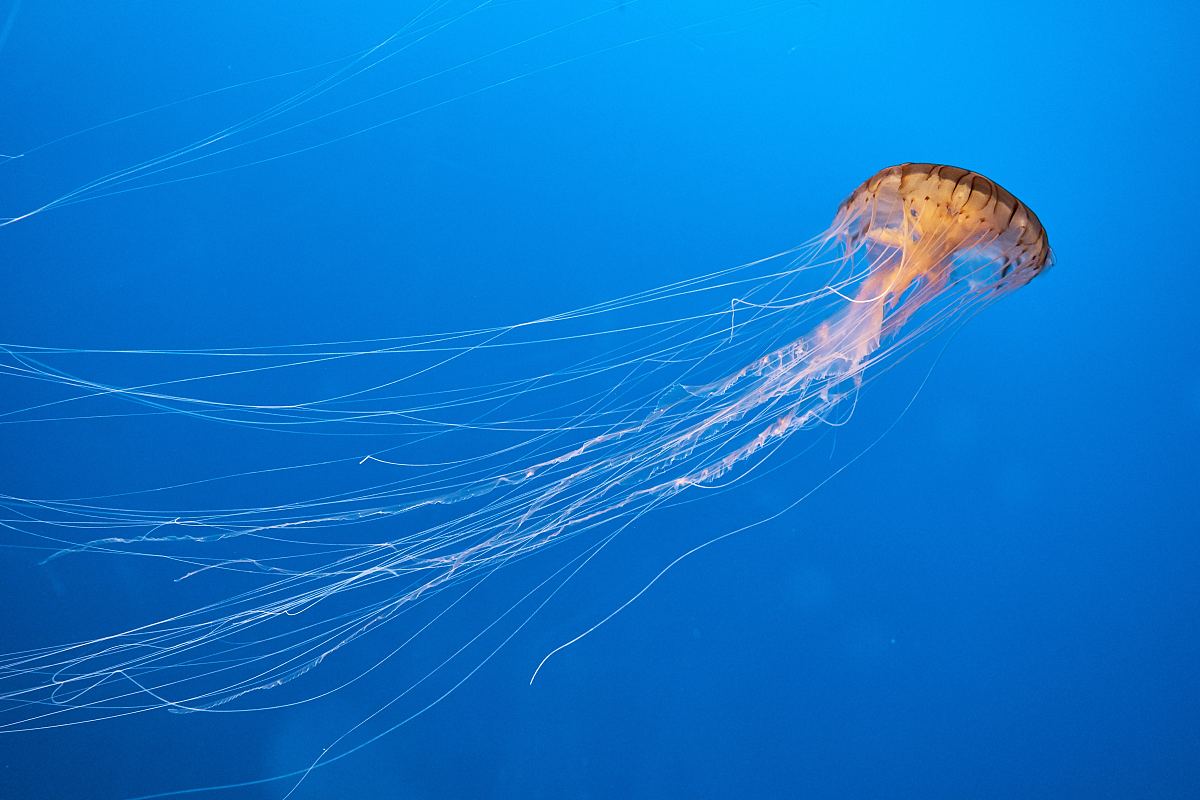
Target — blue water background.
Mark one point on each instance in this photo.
(999, 600)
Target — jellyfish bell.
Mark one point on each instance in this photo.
(932, 212)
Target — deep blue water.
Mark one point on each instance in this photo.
(998, 600)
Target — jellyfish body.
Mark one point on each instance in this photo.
(917, 229)
(932, 214)
(926, 219)
(915, 247)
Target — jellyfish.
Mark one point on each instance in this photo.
(677, 405)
